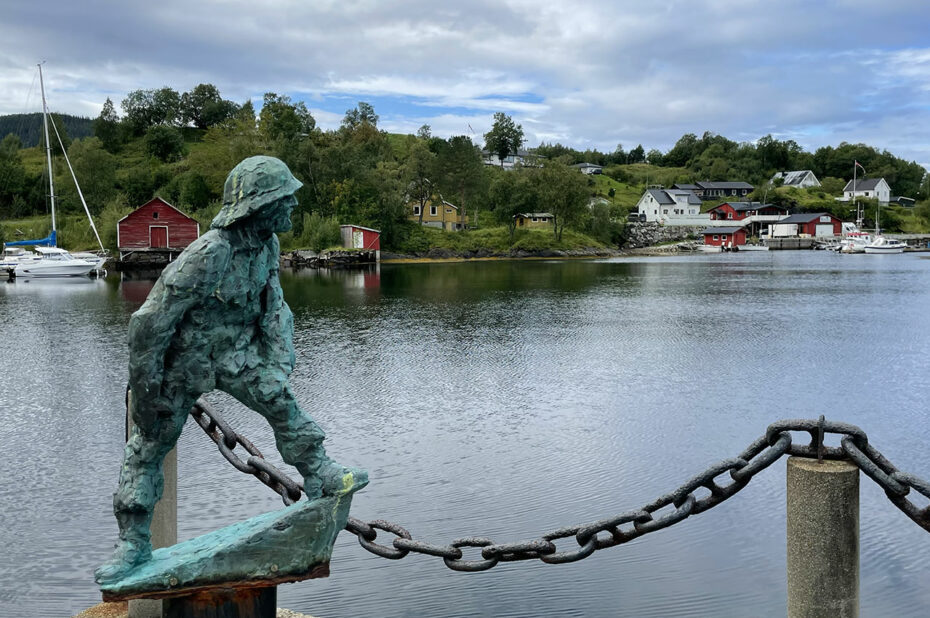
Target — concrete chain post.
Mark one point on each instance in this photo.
(823, 539)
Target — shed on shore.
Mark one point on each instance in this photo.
(155, 228)
(358, 237)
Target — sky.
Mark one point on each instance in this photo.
(583, 74)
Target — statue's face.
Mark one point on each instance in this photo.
(279, 214)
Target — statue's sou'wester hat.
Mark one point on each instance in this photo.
(251, 185)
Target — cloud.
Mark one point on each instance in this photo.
(583, 74)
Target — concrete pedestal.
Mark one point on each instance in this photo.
(823, 539)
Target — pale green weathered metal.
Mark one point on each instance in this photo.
(216, 319)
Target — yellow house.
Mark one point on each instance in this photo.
(438, 213)
(534, 219)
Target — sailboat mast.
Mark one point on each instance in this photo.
(48, 154)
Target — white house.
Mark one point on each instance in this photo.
(798, 178)
(523, 157)
(870, 188)
(671, 207)
(589, 168)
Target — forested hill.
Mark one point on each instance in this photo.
(28, 127)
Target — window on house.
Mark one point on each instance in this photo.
(432, 211)
(665, 211)
(729, 215)
(155, 215)
(416, 210)
(448, 210)
(715, 237)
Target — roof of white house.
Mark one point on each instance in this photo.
(704, 184)
(793, 178)
(667, 196)
(863, 184)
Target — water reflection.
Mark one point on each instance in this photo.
(503, 399)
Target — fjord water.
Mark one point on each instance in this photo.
(504, 400)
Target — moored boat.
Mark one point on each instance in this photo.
(882, 244)
(55, 262)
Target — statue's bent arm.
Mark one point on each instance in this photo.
(191, 279)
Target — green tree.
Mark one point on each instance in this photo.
(164, 143)
(460, 172)
(96, 170)
(144, 109)
(504, 138)
(424, 132)
(281, 118)
(510, 194)
(12, 174)
(195, 192)
(418, 170)
(106, 127)
(57, 134)
(832, 186)
(682, 151)
(637, 155)
(363, 113)
(138, 184)
(564, 193)
(204, 107)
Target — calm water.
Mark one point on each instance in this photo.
(503, 400)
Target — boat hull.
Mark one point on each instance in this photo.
(71, 268)
(883, 250)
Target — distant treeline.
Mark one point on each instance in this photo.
(181, 145)
(716, 158)
(28, 127)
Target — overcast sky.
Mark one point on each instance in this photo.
(583, 74)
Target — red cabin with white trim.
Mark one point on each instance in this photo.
(724, 236)
(156, 226)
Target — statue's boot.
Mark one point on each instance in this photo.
(333, 479)
(134, 547)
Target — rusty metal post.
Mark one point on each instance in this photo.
(225, 603)
(823, 539)
(164, 523)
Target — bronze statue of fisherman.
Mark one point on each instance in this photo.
(217, 319)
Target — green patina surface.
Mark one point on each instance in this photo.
(287, 545)
(216, 319)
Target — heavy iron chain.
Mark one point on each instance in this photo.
(662, 512)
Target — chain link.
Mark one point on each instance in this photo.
(666, 510)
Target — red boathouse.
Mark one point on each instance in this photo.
(727, 237)
(156, 228)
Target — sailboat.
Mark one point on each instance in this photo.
(49, 260)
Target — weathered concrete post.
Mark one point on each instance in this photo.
(823, 539)
(164, 523)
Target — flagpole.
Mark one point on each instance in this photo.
(856, 197)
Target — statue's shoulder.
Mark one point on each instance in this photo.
(202, 263)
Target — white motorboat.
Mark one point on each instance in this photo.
(54, 262)
(60, 262)
(855, 242)
(752, 248)
(881, 244)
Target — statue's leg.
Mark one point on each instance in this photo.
(297, 436)
(157, 426)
